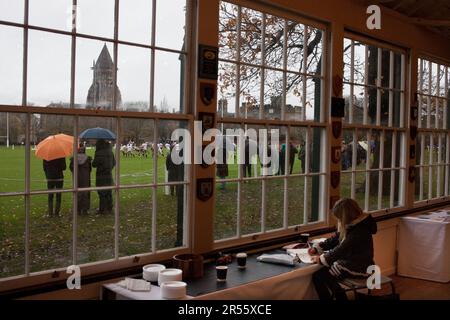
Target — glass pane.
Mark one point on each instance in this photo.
(274, 40)
(251, 207)
(315, 149)
(298, 140)
(96, 17)
(12, 236)
(294, 97)
(250, 85)
(168, 86)
(313, 101)
(170, 23)
(170, 218)
(284, 165)
(386, 189)
(54, 14)
(347, 150)
(372, 97)
(96, 231)
(49, 168)
(135, 21)
(171, 169)
(398, 72)
(135, 235)
(347, 59)
(251, 23)
(136, 151)
(314, 53)
(372, 60)
(226, 90)
(51, 231)
(11, 64)
(228, 169)
(225, 217)
(274, 203)
(384, 107)
(11, 10)
(295, 41)
(373, 191)
(48, 69)
(273, 94)
(385, 67)
(360, 189)
(314, 197)
(346, 185)
(12, 152)
(360, 63)
(133, 78)
(296, 195)
(227, 31)
(94, 75)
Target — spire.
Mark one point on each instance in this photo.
(104, 60)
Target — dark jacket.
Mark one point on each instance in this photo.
(355, 253)
(84, 170)
(104, 161)
(54, 168)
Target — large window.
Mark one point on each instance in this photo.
(270, 78)
(120, 58)
(432, 164)
(373, 153)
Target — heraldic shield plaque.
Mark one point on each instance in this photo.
(205, 188)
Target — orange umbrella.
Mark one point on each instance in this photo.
(55, 147)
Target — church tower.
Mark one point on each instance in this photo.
(100, 93)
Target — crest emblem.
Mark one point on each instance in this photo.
(335, 179)
(336, 154)
(412, 174)
(414, 113)
(413, 132)
(412, 151)
(336, 127)
(205, 189)
(207, 93)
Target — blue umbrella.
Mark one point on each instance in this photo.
(98, 133)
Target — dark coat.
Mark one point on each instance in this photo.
(172, 169)
(355, 253)
(54, 168)
(84, 170)
(105, 162)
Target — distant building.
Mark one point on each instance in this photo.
(100, 94)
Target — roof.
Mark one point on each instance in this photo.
(104, 60)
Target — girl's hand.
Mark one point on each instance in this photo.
(315, 259)
(312, 251)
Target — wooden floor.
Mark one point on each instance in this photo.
(416, 289)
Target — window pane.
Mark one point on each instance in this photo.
(170, 23)
(295, 43)
(96, 17)
(251, 206)
(11, 10)
(225, 218)
(251, 24)
(135, 235)
(94, 75)
(274, 40)
(11, 64)
(51, 231)
(228, 31)
(135, 21)
(313, 99)
(298, 140)
(274, 203)
(12, 152)
(346, 185)
(50, 169)
(295, 200)
(273, 94)
(294, 97)
(360, 63)
(12, 236)
(54, 14)
(228, 169)
(250, 85)
(133, 78)
(170, 218)
(226, 90)
(171, 169)
(168, 86)
(136, 151)
(347, 59)
(48, 69)
(314, 53)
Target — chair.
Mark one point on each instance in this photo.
(355, 284)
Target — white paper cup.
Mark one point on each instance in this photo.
(173, 290)
(151, 272)
(169, 275)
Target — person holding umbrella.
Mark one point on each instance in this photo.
(53, 151)
(104, 161)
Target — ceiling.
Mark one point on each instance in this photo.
(432, 14)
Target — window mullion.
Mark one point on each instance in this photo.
(381, 172)
(354, 163)
(367, 194)
(439, 165)
(153, 58)
(421, 170)
(155, 183)
(393, 162)
(366, 82)
(352, 80)
(430, 168)
(391, 86)
(379, 74)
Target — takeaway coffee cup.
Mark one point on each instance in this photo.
(304, 237)
(221, 273)
(241, 260)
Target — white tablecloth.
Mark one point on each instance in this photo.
(424, 247)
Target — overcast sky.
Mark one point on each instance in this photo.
(50, 54)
